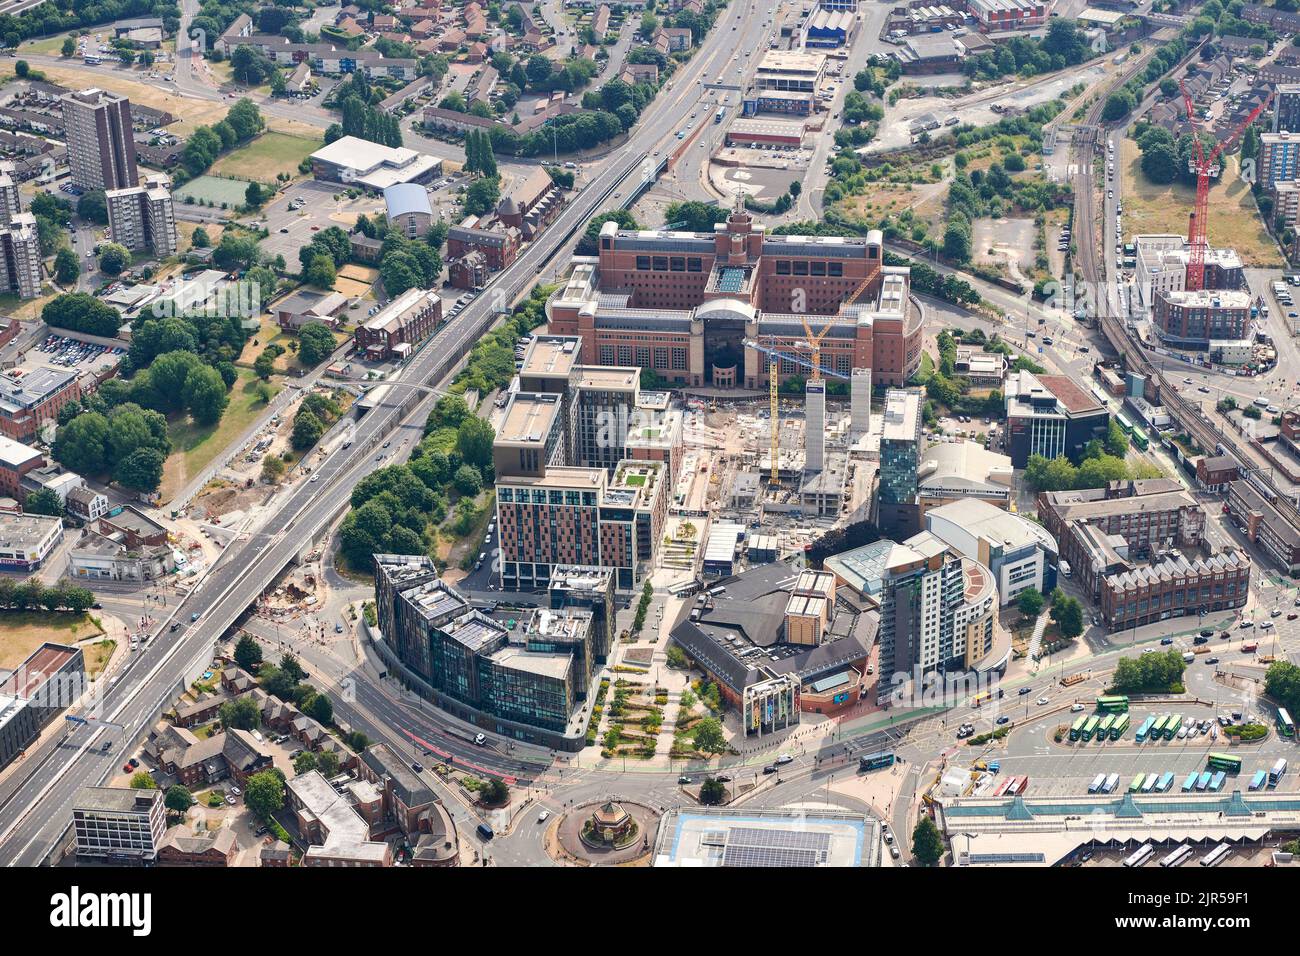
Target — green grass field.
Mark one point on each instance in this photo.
(266, 157)
(214, 190)
(194, 446)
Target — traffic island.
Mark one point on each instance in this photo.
(606, 833)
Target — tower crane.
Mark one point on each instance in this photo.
(774, 356)
(1203, 167)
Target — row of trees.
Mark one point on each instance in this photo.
(1155, 672)
(242, 123)
(1096, 470)
(33, 594)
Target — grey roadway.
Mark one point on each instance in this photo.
(251, 564)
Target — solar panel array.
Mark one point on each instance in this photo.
(751, 846)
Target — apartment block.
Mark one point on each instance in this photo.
(399, 327)
(10, 202)
(20, 257)
(1264, 524)
(142, 218)
(101, 148)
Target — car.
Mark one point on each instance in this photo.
(770, 768)
(1200, 639)
(1042, 702)
(894, 852)
(1275, 613)
(1086, 857)
(379, 457)
(1165, 641)
(1265, 625)
(1076, 708)
(236, 791)
(315, 477)
(1024, 691)
(126, 768)
(684, 779)
(285, 231)
(1003, 719)
(194, 617)
(418, 768)
(175, 625)
(1247, 624)
(230, 800)
(887, 836)
(1205, 389)
(543, 816)
(784, 759)
(338, 628)
(723, 778)
(1211, 660)
(481, 740)
(133, 763)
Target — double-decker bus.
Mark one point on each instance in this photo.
(1157, 731)
(1179, 854)
(1165, 782)
(1077, 729)
(1117, 729)
(1285, 725)
(1257, 781)
(1150, 782)
(1112, 705)
(1217, 855)
(1139, 438)
(1111, 783)
(1190, 783)
(1224, 762)
(1090, 727)
(1104, 728)
(1143, 853)
(1216, 782)
(1275, 772)
(1172, 727)
(1145, 729)
(876, 761)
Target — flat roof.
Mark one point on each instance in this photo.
(18, 531)
(765, 838)
(608, 377)
(15, 454)
(529, 418)
(791, 61)
(543, 664)
(551, 356)
(902, 414)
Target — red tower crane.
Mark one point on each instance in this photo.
(1205, 166)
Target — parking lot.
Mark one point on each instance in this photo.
(58, 350)
(291, 229)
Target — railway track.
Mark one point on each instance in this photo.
(1086, 139)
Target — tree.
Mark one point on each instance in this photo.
(307, 429)
(199, 239)
(142, 470)
(927, 842)
(466, 481)
(178, 798)
(712, 792)
(248, 653)
(321, 709)
(494, 791)
(143, 780)
(1068, 615)
(474, 440)
(204, 395)
(253, 197)
(21, 68)
(69, 47)
(264, 794)
(1118, 105)
(93, 207)
(242, 713)
(305, 762)
(44, 501)
(1030, 602)
(82, 312)
(290, 667)
(315, 343)
(320, 272)
(113, 259)
(708, 736)
(82, 444)
(67, 268)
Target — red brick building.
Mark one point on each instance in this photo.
(400, 326)
(691, 300)
(499, 246)
(29, 400)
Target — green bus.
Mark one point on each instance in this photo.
(1090, 727)
(1117, 729)
(1077, 729)
(1136, 785)
(1103, 729)
(1224, 762)
(1139, 438)
(1174, 725)
(1285, 725)
(1157, 731)
(1113, 705)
